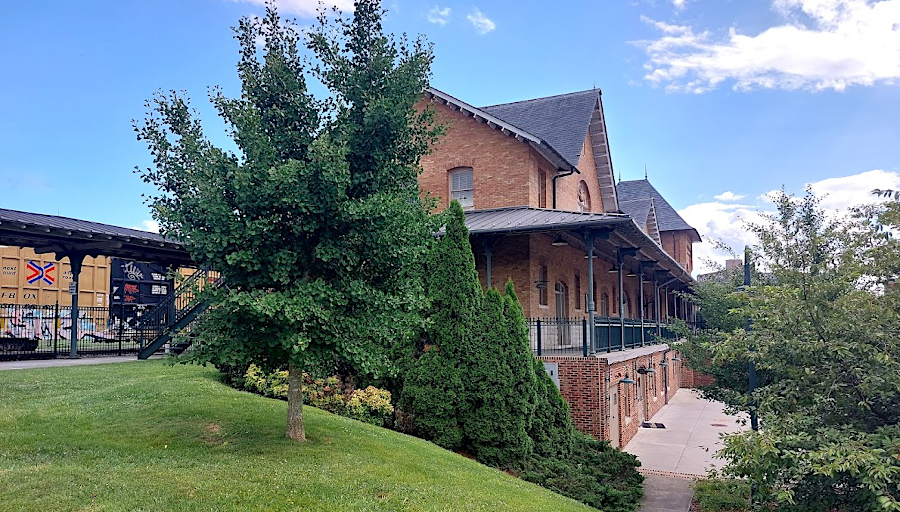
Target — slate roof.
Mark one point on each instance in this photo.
(562, 121)
(666, 216)
(637, 209)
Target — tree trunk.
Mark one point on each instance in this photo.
(295, 428)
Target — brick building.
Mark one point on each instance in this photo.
(597, 265)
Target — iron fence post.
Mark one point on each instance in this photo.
(539, 336)
(56, 329)
(584, 337)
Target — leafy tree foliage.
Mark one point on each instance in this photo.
(314, 221)
(826, 333)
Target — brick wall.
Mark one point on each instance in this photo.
(505, 171)
(694, 379)
(678, 245)
(497, 161)
(581, 383)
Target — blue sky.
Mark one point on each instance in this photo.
(711, 96)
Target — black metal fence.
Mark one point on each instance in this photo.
(571, 336)
(31, 331)
(559, 336)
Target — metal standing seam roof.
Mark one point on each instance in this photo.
(39, 230)
(521, 219)
(526, 219)
(561, 120)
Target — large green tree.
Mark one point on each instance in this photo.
(826, 335)
(314, 220)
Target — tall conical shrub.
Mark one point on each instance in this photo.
(433, 392)
(500, 387)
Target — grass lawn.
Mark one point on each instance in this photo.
(148, 436)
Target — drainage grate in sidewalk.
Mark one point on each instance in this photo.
(647, 424)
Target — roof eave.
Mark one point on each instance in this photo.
(540, 145)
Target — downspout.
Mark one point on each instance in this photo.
(563, 175)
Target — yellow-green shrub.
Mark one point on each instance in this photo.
(371, 405)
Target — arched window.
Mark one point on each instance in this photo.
(604, 304)
(577, 292)
(542, 189)
(462, 187)
(584, 197)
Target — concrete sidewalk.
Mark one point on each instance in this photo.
(690, 439)
(49, 363)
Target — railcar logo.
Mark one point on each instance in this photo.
(132, 271)
(39, 273)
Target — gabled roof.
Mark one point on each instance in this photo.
(667, 218)
(637, 209)
(541, 146)
(560, 120)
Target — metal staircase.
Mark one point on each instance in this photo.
(181, 307)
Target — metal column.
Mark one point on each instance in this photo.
(589, 245)
(75, 261)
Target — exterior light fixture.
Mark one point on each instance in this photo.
(626, 380)
(675, 359)
(614, 270)
(664, 363)
(631, 274)
(559, 241)
(540, 285)
(645, 370)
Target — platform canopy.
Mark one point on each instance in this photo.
(619, 231)
(65, 237)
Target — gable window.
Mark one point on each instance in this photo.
(584, 197)
(542, 189)
(542, 285)
(462, 187)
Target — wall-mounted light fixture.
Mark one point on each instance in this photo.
(559, 241)
(626, 380)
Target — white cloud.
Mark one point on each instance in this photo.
(821, 44)
(729, 196)
(439, 15)
(304, 8)
(679, 4)
(482, 23)
(725, 221)
(148, 225)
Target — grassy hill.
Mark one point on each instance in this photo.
(148, 436)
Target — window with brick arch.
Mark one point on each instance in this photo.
(462, 187)
(542, 285)
(542, 189)
(584, 197)
(604, 304)
(577, 283)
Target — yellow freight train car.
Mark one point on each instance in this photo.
(29, 278)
